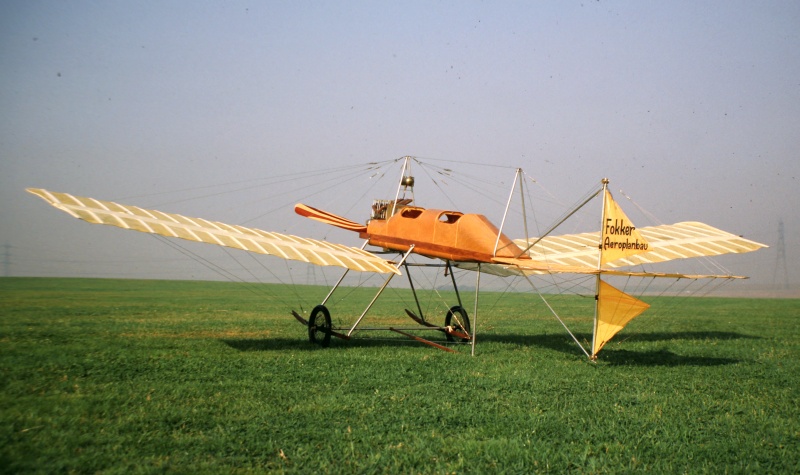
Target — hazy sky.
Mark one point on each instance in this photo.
(693, 108)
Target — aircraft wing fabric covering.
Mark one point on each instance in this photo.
(614, 310)
(533, 267)
(200, 230)
(665, 242)
(520, 267)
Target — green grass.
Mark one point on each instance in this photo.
(119, 376)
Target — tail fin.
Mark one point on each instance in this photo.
(329, 218)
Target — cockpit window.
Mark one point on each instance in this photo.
(450, 217)
(411, 213)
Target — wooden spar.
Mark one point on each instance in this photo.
(599, 266)
(455, 333)
(422, 340)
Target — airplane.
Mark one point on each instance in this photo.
(452, 239)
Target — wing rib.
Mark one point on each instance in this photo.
(313, 251)
(667, 242)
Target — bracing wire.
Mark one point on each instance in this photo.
(331, 182)
(476, 184)
(443, 179)
(555, 314)
(710, 265)
(251, 183)
(217, 269)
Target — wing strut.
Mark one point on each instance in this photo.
(560, 222)
(517, 177)
(380, 291)
(339, 282)
(597, 280)
(475, 313)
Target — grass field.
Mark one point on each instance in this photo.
(119, 376)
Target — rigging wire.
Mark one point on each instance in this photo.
(653, 219)
(476, 184)
(557, 317)
(441, 179)
(710, 265)
(437, 184)
(217, 269)
(337, 179)
(460, 162)
(333, 182)
(252, 183)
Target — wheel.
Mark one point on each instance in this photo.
(319, 326)
(457, 318)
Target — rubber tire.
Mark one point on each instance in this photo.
(319, 326)
(461, 321)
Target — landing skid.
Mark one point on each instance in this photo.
(459, 330)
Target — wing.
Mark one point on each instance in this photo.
(313, 251)
(506, 267)
(667, 242)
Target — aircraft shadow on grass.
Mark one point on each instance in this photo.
(557, 342)
(660, 357)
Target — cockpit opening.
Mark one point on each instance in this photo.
(450, 217)
(411, 213)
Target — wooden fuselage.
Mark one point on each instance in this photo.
(441, 234)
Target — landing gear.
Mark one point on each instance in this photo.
(319, 326)
(458, 323)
